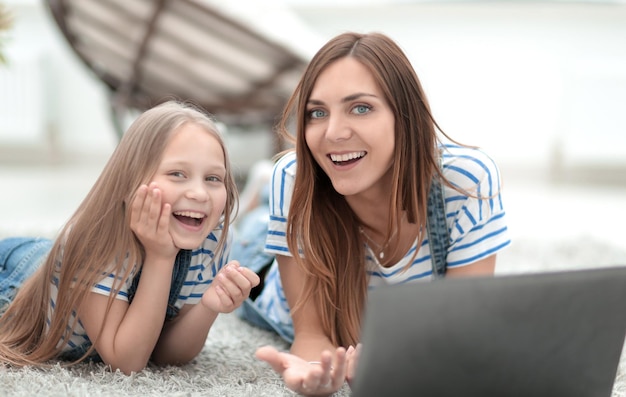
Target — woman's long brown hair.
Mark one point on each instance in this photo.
(322, 230)
(97, 239)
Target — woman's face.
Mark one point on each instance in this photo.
(191, 178)
(350, 129)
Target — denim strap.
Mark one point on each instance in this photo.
(179, 275)
(438, 236)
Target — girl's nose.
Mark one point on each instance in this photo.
(197, 191)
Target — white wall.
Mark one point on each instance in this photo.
(532, 83)
(56, 103)
(519, 79)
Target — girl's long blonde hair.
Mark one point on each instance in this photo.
(321, 224)
(97, 238)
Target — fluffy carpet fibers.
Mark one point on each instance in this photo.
(227, 367)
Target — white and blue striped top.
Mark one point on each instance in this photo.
(204, 266)
(477, 226)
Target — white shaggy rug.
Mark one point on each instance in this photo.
(227, 367)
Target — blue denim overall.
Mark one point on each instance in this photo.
(21, 256)
(249, 249)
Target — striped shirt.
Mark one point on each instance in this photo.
(477, 227)
(204, 266)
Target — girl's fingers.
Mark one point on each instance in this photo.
(251, 276)
(243, 277)
(149, 216)
(137, 204)
(225, 300)
(164, 219)
(231, 282)
(238, 280)
(154, 207)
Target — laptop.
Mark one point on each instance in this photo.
(542, 334)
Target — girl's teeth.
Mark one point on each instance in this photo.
(189, 214)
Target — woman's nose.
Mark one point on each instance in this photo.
(338, 129)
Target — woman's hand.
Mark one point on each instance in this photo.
(352, 359)
(150, 221)
(230, 288)
(321, 378)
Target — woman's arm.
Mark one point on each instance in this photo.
(309, 338)
(483, 267)
(314, 365)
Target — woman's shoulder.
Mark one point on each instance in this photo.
(468, 162)
(458, 153)
(286, 163)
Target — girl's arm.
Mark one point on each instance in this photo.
(130, 332)
(128, 337)
(314, 365)
(184, 337)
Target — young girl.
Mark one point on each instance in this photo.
(140, 270)
(370, 197)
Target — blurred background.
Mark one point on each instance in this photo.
(540, 85)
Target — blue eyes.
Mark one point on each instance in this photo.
(317, 114)
(358, 110)
(179, 174)
(361, 109)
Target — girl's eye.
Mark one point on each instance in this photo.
(177, 174)
(213, 178)
(316, 113)
(361, 109)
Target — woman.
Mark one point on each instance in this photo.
(349, 207)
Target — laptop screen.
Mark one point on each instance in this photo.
(542, 334)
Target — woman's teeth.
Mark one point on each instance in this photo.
(339, 158)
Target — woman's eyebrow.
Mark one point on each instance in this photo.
(346, 99)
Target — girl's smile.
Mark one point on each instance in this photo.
(191, 178)
(192, 220)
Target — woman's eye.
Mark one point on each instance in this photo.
(316, 113)
(361, 109)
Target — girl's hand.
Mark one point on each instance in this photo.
(304, 377)
(150, 221)
(352, 359)
(230, 288)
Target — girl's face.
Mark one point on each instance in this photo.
(191, 178)
(350, 129)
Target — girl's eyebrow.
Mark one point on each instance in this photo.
(176, 163)
(349, 98)
(185, 163)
